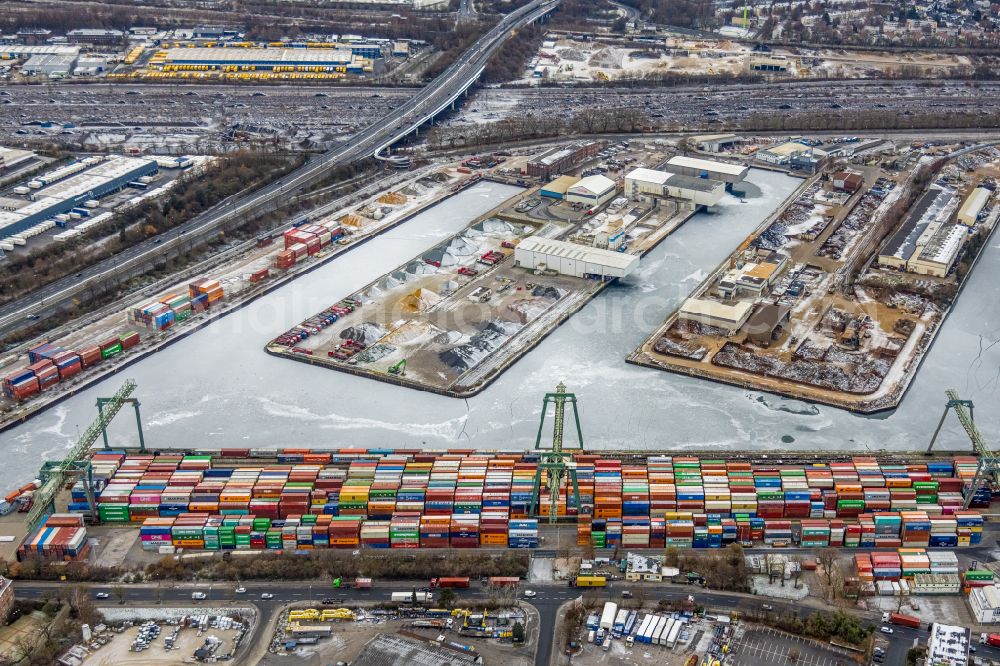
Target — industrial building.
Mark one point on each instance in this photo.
(848, 181)
(925, 243)
(53, 65)
(561, 159)
(715, 143)
(968, 214)
(947, 645)
(535, 253)
(11, 157)
(752, 278)
(984, 602)
(556, 189)
(729, 318)
(939, 254)
(269, 59)
(699, 168)
(783, 153)
(592, 191)
(61, 197)
(20, 51)
(96, 36)
(650, 182)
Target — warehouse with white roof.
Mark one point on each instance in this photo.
(968, 214)
(729, 318)
(535, 253)
(641, 183)
(698, 168)
(592, 191)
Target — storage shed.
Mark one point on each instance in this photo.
(592, 191)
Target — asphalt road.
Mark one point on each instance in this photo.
(399, 122)
(548, 600)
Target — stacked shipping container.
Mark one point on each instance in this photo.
(393, 499)
(50, 364)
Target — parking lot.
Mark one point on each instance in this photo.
(184, 118)
(768, 646)
(685, 105)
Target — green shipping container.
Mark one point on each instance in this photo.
(113, 350)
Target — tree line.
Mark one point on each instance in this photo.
(23, 273)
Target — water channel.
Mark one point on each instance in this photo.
(217, 388)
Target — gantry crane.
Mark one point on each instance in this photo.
(553, 461)
(988, 466)
(53, 474)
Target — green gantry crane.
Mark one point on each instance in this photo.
(53, 474)
(988, 466)
(555, 462)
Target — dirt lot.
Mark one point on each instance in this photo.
(117, 653)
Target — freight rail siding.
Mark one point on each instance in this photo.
(233, 304)
(463, 499)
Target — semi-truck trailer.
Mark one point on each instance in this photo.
(403, 597)
(450, 582)
(504, 581)
(362, 583)
(904, 620)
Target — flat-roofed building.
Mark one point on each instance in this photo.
(984, 602)
(699, 168)
(270, 59)
(96, 35)
(715, 143)
(947, 645)
(728, 317)
(535, 253)
(651, 182)
(973, 205)
(11, 157)
(782, 153)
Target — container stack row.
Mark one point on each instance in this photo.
(61, 537)
(49, 364)
(307, 240)
(467, 500)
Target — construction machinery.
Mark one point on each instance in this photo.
(75, 465)
(555, 462)
(988, 466)
(398, 368)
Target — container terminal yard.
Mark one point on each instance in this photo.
(901, 521)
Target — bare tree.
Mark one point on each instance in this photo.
(827, 558)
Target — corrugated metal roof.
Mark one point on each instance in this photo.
(593, 255)
(707, 165)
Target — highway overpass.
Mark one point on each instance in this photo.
(400, 122)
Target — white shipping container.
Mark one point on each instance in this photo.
(608, 616)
